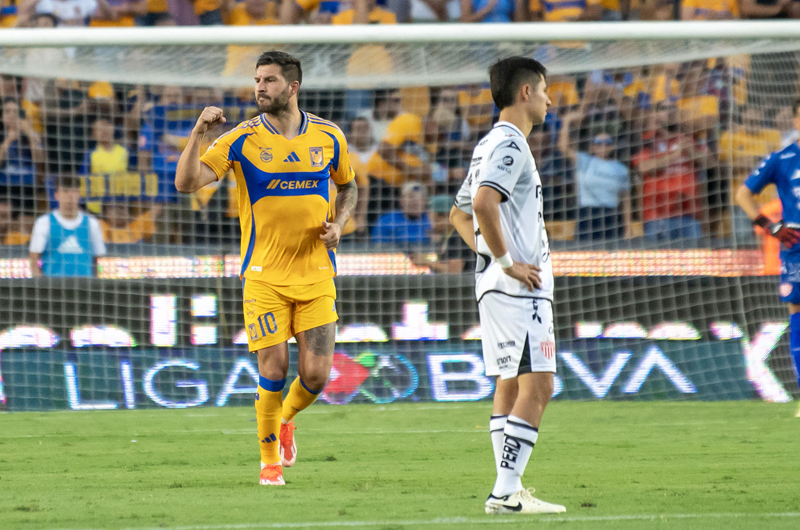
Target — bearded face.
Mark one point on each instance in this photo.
(273, 105)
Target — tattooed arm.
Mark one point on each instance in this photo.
(346, 200)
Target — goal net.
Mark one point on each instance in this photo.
(663, 289)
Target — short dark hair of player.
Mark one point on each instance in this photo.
(795, 107)
(290, 66)
(69, 182)
(507, 75)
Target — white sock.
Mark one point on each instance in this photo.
(496, 426)
(518, 441)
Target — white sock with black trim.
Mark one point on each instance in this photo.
(518, 441)
(496, 426)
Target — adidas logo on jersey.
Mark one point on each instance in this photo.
(70, 246)
(292, 157)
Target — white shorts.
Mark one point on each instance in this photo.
(517, 335)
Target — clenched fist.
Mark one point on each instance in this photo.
(209, 118)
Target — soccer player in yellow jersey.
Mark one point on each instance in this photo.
(283, 160)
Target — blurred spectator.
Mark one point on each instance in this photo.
(157, 14)
(13, 231)
(435, 10)
(453, 256)
(603, 184)
(770, 9)
(66, 240)
(477, 107)
(211, 12)
(615, 10)
(363, 12)
(120, 227)
(253, 13)
(562, 91)
(292, 11)
(404, 154)
(709, 9)
(75, 12)
(388, 105)
(566, 10)
(164, 134)
(491, 10)
(20, 154)
(699, 109)
(654, 10)
(454, 133)
(556, 174)
(744, 145)
(125, 12)
(670, 197)
(66, 127)
(658, 83)
(362, 146)
(409, 224)
(108, 159)
(785, 123)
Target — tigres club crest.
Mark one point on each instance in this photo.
(315, 153)
(266, 154)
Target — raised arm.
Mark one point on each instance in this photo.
(566, 130)
(191, 174)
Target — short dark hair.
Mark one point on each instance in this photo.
(290, 65)
(506, 76)
(69, 182)
(795, 107)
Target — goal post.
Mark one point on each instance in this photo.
(663, 289)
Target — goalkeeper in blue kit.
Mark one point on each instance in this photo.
(781, 168)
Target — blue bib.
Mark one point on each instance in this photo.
(68, 252)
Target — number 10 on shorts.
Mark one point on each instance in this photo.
(267, 324)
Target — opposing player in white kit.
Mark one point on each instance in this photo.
(513, 277)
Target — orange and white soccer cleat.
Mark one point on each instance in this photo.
(287, 447)
(271, 475)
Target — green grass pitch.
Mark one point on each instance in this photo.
(429, 466)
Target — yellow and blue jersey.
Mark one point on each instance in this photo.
(561, 10)
(283, 196)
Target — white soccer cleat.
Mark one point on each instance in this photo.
(522, 501)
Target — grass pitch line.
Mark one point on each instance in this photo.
(447, 521)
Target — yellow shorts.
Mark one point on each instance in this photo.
(274, 313)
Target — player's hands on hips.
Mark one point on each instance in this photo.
(527, 274)
(332, 234)
(209, 118)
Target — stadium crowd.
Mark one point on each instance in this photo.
(103, 13)
(648, 152)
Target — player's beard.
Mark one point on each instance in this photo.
(277, 105)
